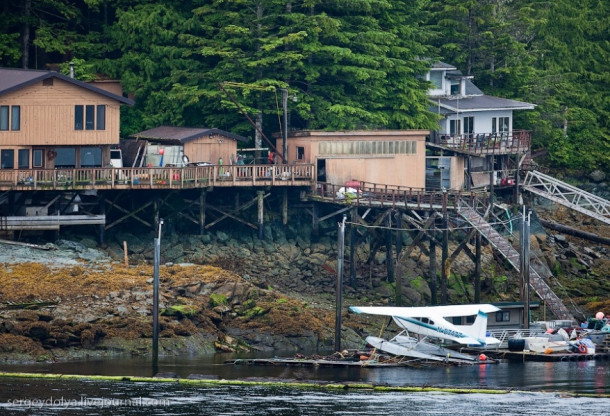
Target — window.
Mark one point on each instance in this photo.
(37, 158)
(15, 117)
(455, 127)
(89, 117)
(4, 117)
(66, 157)
(499, 124)
(78, 117)
(91, 157)
(300, 153)
(503, 316)
(436, 78)
(23, 158)
(101, 117)
(468, 125)
(455, 88)
(362, 147)
(12, 113)
(7, 159)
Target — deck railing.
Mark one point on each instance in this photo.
(152, 177)
(516, 141)
(371, 194)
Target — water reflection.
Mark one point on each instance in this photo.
(580, 376)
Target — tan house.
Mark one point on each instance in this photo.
(180, 146)
(390, 157)
(49, 120)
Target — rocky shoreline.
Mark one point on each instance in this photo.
(229, 291)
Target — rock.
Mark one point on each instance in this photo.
(597, 176)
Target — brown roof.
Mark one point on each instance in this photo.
(13, 79)
(183, 134)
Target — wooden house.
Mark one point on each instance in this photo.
(181, 146)
(49, 120)
(389, 157)
(475, 129)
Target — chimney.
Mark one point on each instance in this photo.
(71, 69)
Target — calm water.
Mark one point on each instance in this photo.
(547, 384)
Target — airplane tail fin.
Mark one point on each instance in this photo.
(478, 330)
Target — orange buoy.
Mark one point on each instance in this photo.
(482, 357)
(583, 349)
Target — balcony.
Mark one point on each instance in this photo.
(482, 144)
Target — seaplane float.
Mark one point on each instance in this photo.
(429, 324)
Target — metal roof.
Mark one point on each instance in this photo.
(183, 134)
(13, 79)
(480, 103)
(441, 65)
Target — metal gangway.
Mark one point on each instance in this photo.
(543, 290)
(567, 195)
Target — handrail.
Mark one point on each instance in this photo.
(376, 195)
(515, 141)
(157, 177)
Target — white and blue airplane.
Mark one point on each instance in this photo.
(431, 321)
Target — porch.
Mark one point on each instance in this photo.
(482, 144)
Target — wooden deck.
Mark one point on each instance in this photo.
(387, 196)
(510, 143)
(157, 178)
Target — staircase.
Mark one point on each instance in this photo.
(567, 195)
(507, 250)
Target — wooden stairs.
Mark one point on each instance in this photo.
(508, 251)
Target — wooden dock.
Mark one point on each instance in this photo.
(523, 356)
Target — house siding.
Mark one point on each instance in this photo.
(47, 117)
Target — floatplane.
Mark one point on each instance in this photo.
(431, 322)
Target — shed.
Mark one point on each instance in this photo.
(390, 157)
(178, 146)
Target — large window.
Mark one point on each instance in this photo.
(23, 158)
(90, 157)
(7, 159)
(10, 116)
(90, 117)
(499, 124)
(66, 157)
(386, 147)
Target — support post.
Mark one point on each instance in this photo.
(517, 174)
(314, 219)
(102, 236)
(389, 260)
(398, 269)
(285, 207)
(285, 125)
(157, 260)
(352, 248)
(202, 201)
(433, 286)
(477, 269)
(492, 168)
(339, 290)
(525, 268)
(445, 252)
(260, 194)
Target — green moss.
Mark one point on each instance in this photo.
(281, 301)
(180, 311)
(217, 299)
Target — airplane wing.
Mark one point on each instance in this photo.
(426, 311)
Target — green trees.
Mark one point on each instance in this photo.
(348, 64)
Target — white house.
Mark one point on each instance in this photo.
(474, 128)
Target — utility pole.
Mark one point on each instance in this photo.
(339, 300)
(285, 124)
(525, 266)
(157, 260)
